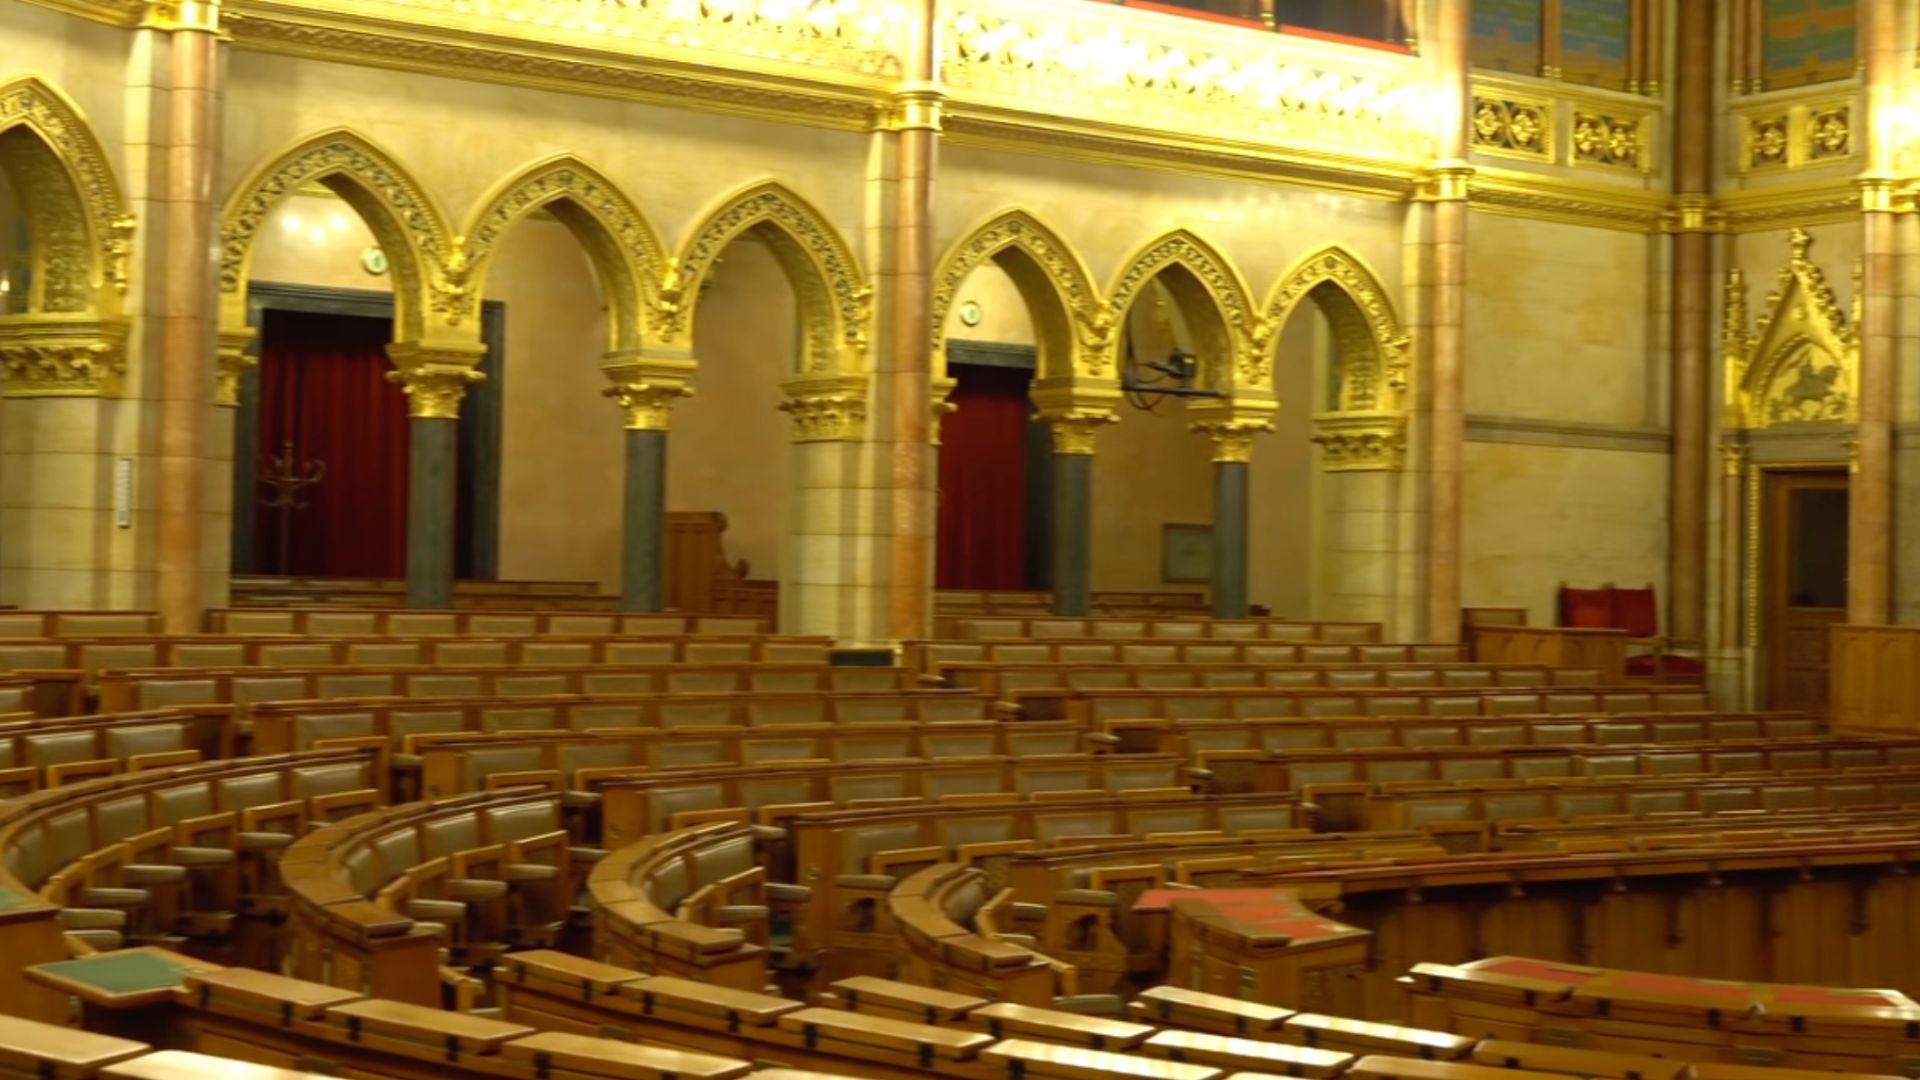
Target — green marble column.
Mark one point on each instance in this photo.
(1072, 534)
(1229, 539)
(431, 467)
(643, 549)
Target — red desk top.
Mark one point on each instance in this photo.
(1277, 911)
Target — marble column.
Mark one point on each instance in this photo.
(910, 365)
(648, 405)
(1444, 276)
(434, 390)
(1692, 322)
(1232, 454)
(187, 324)
(1870, 492)
(1074, 431)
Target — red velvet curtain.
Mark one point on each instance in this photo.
(324, 392)
(983, 481)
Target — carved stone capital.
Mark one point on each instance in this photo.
(1445, 181)
(230, 363)
(1232, 438)
(1361, 442)
(435, 376)
(62, 356)
(648, 404)
(1075, 428)
(941, 407)
(1733, 458)
(827, 410)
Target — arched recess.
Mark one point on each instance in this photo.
(1372, 350)
(835, 300)
(1058, 291)
(81, 231)
(625, 249)
(1229, 339)
(428, 269)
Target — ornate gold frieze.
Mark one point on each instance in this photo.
(1508, 125)
(230, 363)
(832, 409)
(1781, 136)
(1800, 364)
(1771, 208)
(1139, 68)
(1610, 141)
(59, 355)
(1584, 203)
(1361, 442)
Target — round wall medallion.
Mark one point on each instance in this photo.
(373, 261)
(970, 314)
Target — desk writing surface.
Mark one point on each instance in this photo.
(29, 1047)
(622, 1060)
(123, 978)
(1274, 911)
(185, 1065)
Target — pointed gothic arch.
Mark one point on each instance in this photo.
(834, 298)
(428, 266)
(1374, 349)
(1050, 276)
(1231, 342)
(626, 250)
(82, 231)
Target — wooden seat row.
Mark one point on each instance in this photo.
(324, 622)
(926, 655)
(1008, 679)
(90, 655)
(577, 762)
(34, 755)
(162, 687)
(1225, 737)
(964, 936)
(1102, 707)
(291, 725)
(1178, 629)
(161, 851)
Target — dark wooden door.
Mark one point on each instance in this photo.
(1803, 581)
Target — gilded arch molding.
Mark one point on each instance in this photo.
(430, 270)
(1800, 363)
(1243, 367)
(97, 268)
(835, 300)
(626, 250)
(1375, 351)
(1073, 326)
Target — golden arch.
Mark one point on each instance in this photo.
(626, 250)
(835, 300)
(1068, 317)
(402, 216)
(1232, 345)
(1374, 349)
(81, 230)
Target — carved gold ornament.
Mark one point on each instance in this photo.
(1375, 353)
(834, 299)
(1060, 295)
(1232, 436)
(230, 363)
(429, 265)
(1513, 127)
(62, 355)
(1797, 134)
(82, 231)
(435, 377)
(628, 256)
(1354, 442)
(648, 405)
(1615, 142)
(830, 409)
(1800, 364)
(1830, 133)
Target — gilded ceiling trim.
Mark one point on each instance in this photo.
(1769, 209)
(1600, 206)
(111, 12)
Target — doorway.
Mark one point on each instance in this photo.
(1803, 585)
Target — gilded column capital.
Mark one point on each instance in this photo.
(1693, 214)
(1733, 458)
(1232, 438)
(1361, 442)
(172, 15)
(1075, 428)
(914, 106)
(435, 375)
(941, 407)
(1883, 195)
(831, 409)
(1444, 181)
(648, 404)
(57, 355)
(231, 362)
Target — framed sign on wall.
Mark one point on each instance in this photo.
(1186, 554)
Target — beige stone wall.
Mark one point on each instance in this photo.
(1566, 477)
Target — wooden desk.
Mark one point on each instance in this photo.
(1291, 953)
(184, 1065)
(122, 979)
(52, 1052)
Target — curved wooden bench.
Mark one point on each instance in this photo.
(925, 656)
(342, 622)
(693, 902)
(1176, 629)
(939, 912)
(1012, 679)
(1103, 707)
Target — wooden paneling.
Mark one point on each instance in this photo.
(1875, 681)
(1602, 650)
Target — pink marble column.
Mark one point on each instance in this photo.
(910, 581)
(1870, 495)
(1445, 279)
(1692, 317)
(187, 330)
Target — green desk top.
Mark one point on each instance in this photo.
(117, 975)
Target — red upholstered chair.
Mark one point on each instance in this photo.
(1637, 611)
